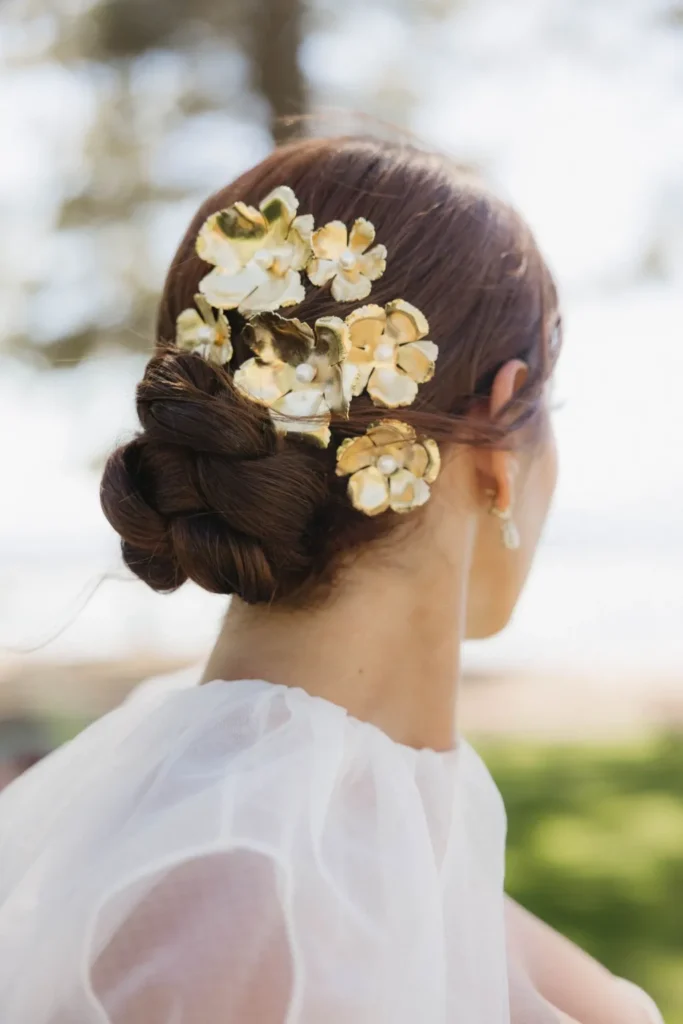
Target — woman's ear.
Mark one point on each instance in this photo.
(496, 467)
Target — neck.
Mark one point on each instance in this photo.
(385, 644)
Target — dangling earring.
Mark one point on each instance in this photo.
(509, 534)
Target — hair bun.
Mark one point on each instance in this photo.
(208, 491)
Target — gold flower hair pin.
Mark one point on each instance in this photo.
(304, 374)
(388, 467)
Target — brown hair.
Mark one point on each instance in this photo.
(207, 491)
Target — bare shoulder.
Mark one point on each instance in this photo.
(567, 978)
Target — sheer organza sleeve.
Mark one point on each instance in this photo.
(245, 852)
(207, 942)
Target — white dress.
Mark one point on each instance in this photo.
(244, 852)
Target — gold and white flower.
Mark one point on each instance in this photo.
(388, 467)
(205, 332)
(257, 254)
(299, 372)
(341, 257)
(388, 349)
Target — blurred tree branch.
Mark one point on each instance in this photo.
(110, 44)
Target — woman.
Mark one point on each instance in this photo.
(345, 426)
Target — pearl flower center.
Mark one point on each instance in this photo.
(347, 260)
(387, 464)
(305, 373)
(384, 352)
(205, 333)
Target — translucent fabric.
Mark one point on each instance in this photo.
(246, 852)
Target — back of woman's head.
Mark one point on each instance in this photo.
(209, 491)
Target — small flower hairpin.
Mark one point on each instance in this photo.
(205, 332)
(298, 372)
(257, 254)
(388, 467)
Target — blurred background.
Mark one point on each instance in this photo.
(116, 118)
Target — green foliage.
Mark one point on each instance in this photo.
(595, 848)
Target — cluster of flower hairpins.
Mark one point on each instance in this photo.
(303, 374)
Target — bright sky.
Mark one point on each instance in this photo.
(575, 110)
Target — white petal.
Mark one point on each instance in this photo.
(391, 388)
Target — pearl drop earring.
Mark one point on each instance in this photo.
(509, 534)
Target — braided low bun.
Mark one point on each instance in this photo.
(208, 491)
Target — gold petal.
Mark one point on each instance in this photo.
(369, 491)
(362, 235)
(336, 397)
(351, 380)
(304, 225)
(274, 292)
(416, 459)
(329, 241)
(366, 325)
(373, 263)
(305, 413)
(258, 382)
(434, 467)
(415, 360)
(219, 354)
(299, 238)
(229, 238)
(391, 434)
(332, 338)
(362, 372)
(191, 330)
(206, 310)
(320, 271)
(405, 322)
(227, 291)
(406, 491)
(355, 453)
(274, 337)
(391, 388)
(347, 288)
(279, 210)
(302, 404)
(317, 430)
